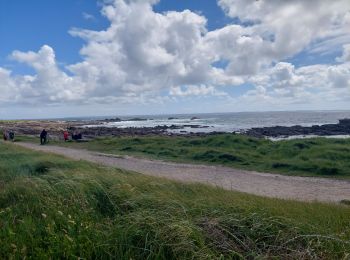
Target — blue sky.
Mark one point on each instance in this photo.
(38, 22)
(27, 25)
(65, 58)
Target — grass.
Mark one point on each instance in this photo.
(304, 157)
(51, 207)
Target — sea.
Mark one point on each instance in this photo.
(229, 122)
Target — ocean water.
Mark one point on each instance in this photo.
(233, 122)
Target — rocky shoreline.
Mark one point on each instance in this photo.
(97, 129)
(56, 128)
(342, 128)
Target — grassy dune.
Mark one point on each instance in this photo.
(307, 157)
(54, 207)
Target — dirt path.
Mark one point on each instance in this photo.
(264, 184)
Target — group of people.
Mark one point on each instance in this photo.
(8, 136)
(44, 136)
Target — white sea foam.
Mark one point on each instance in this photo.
(232, 122)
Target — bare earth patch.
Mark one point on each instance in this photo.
(262, 184)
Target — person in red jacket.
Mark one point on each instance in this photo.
(65, 136)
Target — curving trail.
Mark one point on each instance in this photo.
(263, 184)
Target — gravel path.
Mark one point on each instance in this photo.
(263, 184)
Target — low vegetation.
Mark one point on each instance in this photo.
(51, 207)
(305, 157)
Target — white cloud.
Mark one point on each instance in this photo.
(50, 84)
(88, 16)
(339, 76)
(288, 27)
(346, 54)
(284, 84)
(194, 90)
(8, 87)
(147, 52)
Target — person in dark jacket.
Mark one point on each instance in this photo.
(43, 137)
(77, 136)
(12, 136)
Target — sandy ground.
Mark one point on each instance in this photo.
(263, 184)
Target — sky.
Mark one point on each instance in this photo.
(69, 58)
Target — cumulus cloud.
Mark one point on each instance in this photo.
(50, 84)
(283, 83)
(292, 24)
(281, 29)
(144, 54)
(143, 51)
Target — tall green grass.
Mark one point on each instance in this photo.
(51, 207)
(306, 157)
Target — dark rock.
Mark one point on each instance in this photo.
(112, 120)
(342, 128)
(136, 119)
(345, 121)
(195, 126)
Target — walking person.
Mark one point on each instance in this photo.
(43, 137)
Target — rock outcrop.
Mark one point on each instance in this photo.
(342, 128)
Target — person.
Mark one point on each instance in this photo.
(77, 136)
(65, 136)
(4, 135)
(43, 137)
(12, 136)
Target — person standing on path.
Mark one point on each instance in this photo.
(43, 137)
